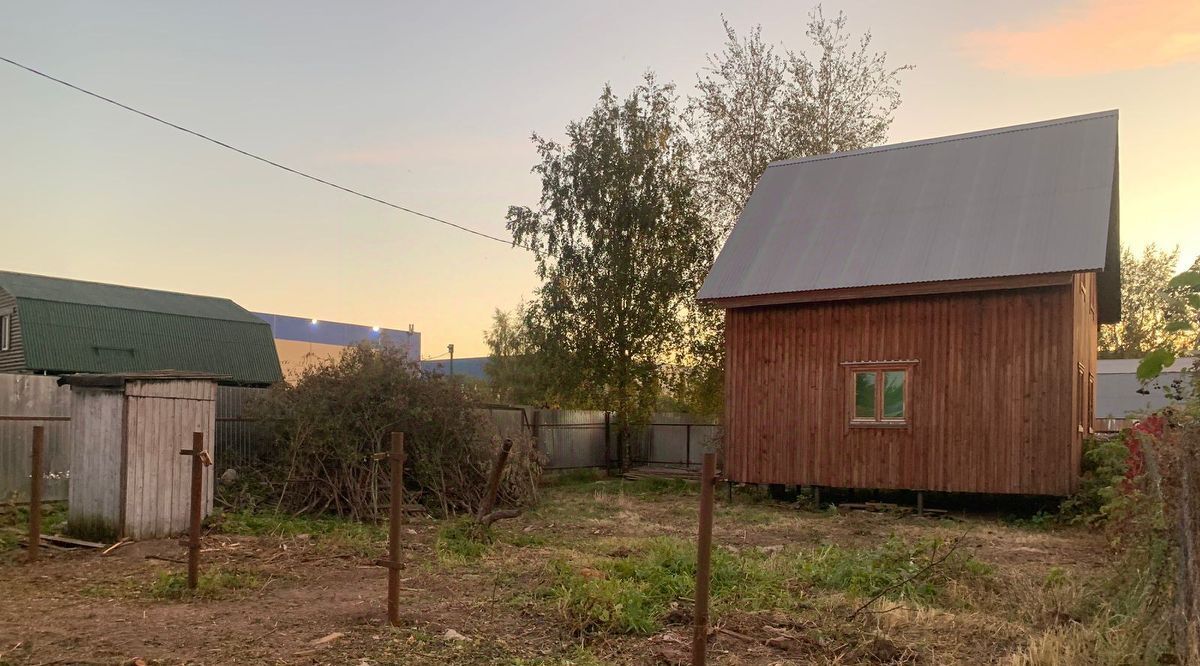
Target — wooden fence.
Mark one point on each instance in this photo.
(26, 401)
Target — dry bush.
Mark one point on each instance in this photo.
(328, 425)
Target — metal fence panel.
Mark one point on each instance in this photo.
(239, 439)
(572, 438)
(23, 400)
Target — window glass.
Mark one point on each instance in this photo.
(864, 395)
(4, 332)
(893, 394)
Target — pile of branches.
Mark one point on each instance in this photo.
(330, 422)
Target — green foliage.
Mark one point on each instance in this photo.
(1104, 467)
(619, 244)
(211, 584)
(1152, 364)
(463, 539)
(14, 522)
(892, 567)
(340, 412)
(1150, 300)
(329, 532)
(631, 594)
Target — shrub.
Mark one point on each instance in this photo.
(339, 412)
(1104, 468)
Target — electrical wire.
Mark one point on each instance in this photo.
(260, 158)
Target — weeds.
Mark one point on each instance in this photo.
(463, 539)
(14, 522)
(330, 533)
(211, 584)
(631, 594)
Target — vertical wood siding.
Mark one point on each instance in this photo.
(94, 495)
(12, 359)
(161, 418)
(133, 437)
(992, 395)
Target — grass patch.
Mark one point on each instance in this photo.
(572, 477)
(211, 584)
(657, 487)
(463, 539)
(14, 522)
(329, 533)
(630, 594)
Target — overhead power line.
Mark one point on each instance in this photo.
(260, 158)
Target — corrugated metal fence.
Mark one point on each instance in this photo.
(568, 439)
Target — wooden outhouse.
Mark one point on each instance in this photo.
(924, 315)
(128, 478)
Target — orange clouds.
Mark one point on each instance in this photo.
(1093, 37)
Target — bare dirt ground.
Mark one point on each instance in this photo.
(279, 596)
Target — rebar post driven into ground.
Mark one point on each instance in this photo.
(35, 491)
(708, 480)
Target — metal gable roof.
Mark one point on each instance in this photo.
(1036, 198)
(82, 292)
(73, 326)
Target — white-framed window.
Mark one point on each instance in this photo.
(5, 332)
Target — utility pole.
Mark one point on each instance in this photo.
(450, 348)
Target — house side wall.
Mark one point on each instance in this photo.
(13, 358)
(990, 399)
(1085, 341)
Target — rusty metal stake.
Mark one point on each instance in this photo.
(35, 492)
(395, 518)
(708, 481)
(200, 459)
(493, 487)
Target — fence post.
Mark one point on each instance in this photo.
(35, 491)
(200, 459)
(607, 439)
(708, 479)
(688, 447)
(395, 515)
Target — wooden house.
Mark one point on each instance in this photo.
(128, 478)
(923, 315)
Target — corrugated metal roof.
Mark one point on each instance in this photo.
(71, 326)
(1036, 198)
(82, 292)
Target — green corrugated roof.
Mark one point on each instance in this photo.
(77, 326)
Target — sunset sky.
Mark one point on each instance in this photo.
(430, 105)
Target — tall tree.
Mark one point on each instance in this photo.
(1147, 305)
(754, 106)
(620, 244)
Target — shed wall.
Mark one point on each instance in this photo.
(991, 399)
(161, 419)
(94, 494)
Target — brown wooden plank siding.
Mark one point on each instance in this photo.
(993, 395)
(12, 359)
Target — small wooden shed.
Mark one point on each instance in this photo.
(128, 479)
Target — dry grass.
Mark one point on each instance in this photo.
(599, 573)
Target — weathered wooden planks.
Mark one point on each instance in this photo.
(994, 400)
